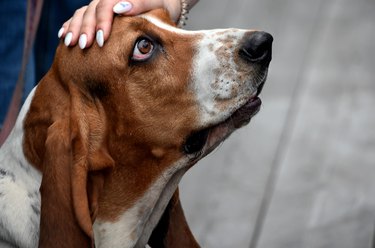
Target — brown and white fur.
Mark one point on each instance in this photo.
(102, 142)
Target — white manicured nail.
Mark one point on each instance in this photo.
(68, 38)
(100, 37)
(122, 7)
(82, 41)
(60, 33)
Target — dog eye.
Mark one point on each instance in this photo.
(143, 49)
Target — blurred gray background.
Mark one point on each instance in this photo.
(302, 173)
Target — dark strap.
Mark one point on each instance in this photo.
(34, 9)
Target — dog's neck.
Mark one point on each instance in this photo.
(135, 224)
(139, 186)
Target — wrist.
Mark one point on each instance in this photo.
(174, 8)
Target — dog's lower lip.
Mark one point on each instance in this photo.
(260, 87)
(253, 101)
(196, 141)
(251, 106)
(244, 114)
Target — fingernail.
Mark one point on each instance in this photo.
(68, 38)
(60, 33)
(122, 7)
(82, 41)
(100, 37)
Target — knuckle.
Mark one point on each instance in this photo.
(99, 7)
(87, 28)
(67, 23)
(80, 11)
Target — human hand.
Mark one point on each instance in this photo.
(95, 19)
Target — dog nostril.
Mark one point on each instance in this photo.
(257, 47)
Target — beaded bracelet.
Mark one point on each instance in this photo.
(183, 16)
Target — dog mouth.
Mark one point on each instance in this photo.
(204, 141)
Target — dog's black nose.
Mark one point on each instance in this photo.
(257, 47)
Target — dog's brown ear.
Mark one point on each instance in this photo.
(173, 229)
(90, 156)
(73, 161)
(58, 225)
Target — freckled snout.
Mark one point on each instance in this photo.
(257, 48)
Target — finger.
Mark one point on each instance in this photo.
(72, 33)
(63, 30)
(105, 10)
(122, 7)
(141, 6)
(104, 18)
(174, 8)
(88, 26)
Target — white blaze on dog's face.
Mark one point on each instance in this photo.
(170, 97)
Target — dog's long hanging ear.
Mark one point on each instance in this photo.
(58, 227)
(90, 156)
(173, 229)
(75, 154)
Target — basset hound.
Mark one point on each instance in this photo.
(103, 140)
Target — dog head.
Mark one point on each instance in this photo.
(124, 122)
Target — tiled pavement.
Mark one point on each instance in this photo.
(302, 173)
